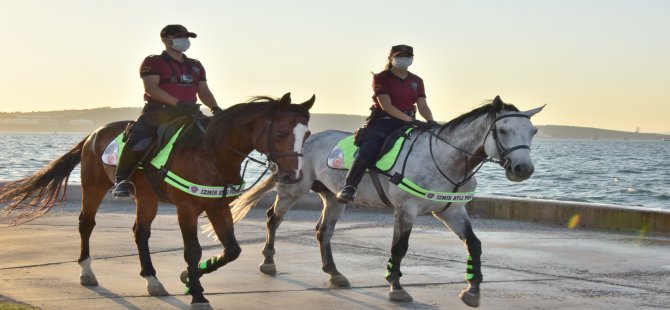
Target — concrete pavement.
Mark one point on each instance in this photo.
(525, 265)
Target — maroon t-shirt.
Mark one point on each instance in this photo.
(179, 79)
(403, 93)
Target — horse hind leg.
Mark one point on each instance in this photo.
(332, 211)
(458, 221)
(91, 199)
(146, 213)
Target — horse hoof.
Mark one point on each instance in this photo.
(155, 287)
(400, 295)
(184, 277)
(470, 299)
(269, 269)
(201, 306)
(88, 280)
(339, 281)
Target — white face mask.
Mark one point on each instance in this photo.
(181, 44)
(401, 62)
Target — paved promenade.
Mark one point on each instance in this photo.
(525, 266)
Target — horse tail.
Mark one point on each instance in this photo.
(35, 195)
(241, 206)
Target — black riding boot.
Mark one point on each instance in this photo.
(125, 167)
(354, 176)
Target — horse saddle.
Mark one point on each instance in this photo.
(342, 155)
(167, 134)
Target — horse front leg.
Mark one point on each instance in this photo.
(457, 219)
(473, 273)
(275, 216)
(401, 230)
(188, 224)
(222, 223)
(146, 213)
(332, 211)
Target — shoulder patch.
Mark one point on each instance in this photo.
(378, 87)
(145, 69)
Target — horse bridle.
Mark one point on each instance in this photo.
(271, 155)
(501, 148)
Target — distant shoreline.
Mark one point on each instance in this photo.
(85, 121)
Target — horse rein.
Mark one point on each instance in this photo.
(503, 162)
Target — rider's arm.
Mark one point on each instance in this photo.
(206, 95)
(423, 108)
(385, 102)
(151, 88)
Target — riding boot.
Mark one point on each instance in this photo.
(124, 168)
(354, 176)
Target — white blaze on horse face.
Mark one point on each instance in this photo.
(299, 132)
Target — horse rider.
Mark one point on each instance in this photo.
(396, 91)
(171, 83)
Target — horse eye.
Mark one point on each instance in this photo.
(534, 131)
(281, 134)
(502, 131)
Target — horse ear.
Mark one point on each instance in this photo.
(497, 104)
(309, 103)
(285, 100)
(532, 112)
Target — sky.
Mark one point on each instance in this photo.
(596, 63)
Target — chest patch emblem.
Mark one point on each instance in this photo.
(414, 85)
(196, 70)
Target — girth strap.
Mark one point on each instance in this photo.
(374, 176)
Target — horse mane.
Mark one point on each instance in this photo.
(241, 114)
(489, 108)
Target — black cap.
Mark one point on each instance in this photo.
(401, 49)
(177, 31)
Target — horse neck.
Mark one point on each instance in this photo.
(228, 153)
(469, 138)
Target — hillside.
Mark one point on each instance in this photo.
(90, 119)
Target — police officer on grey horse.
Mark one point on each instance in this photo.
(396, 92)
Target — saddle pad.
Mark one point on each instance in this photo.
(342, 155)
(114, 149)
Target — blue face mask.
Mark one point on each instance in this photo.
(181, 44)
(402, 62)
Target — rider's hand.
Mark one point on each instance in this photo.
(216, 110)
(418, 124)
(432, 124)
(187, 108)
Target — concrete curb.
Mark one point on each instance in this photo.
(574, 214)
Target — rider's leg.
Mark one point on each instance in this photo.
(354, 176)
(139, 140)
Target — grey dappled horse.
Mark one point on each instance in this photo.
(443, 160)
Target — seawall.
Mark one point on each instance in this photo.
(574, 214)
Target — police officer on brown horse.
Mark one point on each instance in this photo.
(172, 85)
(396, 91)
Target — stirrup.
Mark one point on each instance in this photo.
(347, 194)
(122, 190)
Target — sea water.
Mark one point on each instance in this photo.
(628, 173)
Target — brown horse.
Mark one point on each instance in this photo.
(276, 128)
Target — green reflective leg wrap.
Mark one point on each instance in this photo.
(392, 267)
(204, 266)
(469, 271)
